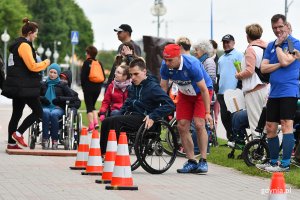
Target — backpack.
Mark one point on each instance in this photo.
(265, 78)
(96, 72)
(2, 74)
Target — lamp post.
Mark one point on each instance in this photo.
(67, 59)
(158, 9)
(48, 53)
(5, 38)
(55, 53)
(40, 50)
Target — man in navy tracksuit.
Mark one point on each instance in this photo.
(146, 102)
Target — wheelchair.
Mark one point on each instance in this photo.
(211, 131)
(257, 150)
(70, 123)
(150, 147)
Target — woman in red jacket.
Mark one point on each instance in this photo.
(116, 92)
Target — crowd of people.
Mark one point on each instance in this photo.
(198, 76)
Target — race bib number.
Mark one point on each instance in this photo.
(187, 90)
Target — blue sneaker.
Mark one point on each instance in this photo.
(202, 166)
(189, 167)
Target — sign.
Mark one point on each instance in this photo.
(74, 37)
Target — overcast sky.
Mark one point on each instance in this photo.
(189, 18)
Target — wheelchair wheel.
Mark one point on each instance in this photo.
(77, 130)
(33, 135)
(68, 137)
(148, 142)
(180, 151)
(256, 152)
(133, 159)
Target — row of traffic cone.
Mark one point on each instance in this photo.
(117, 167)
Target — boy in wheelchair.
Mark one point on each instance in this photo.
(146, 103)
(53, 92)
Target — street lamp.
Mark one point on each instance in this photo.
(5, 38)
(158, 9)
(40, 51)
(48, 53)
(67, 59)
(55, 54)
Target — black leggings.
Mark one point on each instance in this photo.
(118, 123)
(18, 105)
(90, 98)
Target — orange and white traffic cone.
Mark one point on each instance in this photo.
(110, 157)
(83, 151)
(122, 177)
(94, 164)
(277, 188)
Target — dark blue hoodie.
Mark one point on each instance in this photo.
(148, 98)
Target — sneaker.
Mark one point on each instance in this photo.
(265, 165)
(45, 144)
(189, 167)
(96, 126)
(54, 145)
(278, 168)
(202, 166)
(19, 139)
(15, 146)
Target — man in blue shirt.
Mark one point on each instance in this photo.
(193, 102)
(282, 103)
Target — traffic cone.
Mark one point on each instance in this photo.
(94, 164)
(83, 151)
(122, 178)
(277, 188)
(110, 157)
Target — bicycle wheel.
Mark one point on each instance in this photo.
(148, 142)
(256, 152)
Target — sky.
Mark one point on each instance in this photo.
(190, 18)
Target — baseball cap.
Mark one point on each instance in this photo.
(227, 37)
(123, 27)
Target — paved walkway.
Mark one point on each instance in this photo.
(42, 177)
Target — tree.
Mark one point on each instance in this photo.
(56, 19)
(12, 13)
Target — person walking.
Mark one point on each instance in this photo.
(256, 91)
(193, 102)
(91, 90)
(22, 83)
(283, 67)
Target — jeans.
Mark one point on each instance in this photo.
(51, 117)
(239, 125)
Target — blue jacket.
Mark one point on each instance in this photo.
(148, 98)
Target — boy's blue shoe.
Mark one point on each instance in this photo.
(189, 167)
(202, 166)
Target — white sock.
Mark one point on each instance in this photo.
(11, 144)
(18, 134)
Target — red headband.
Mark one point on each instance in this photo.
(171, 51)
